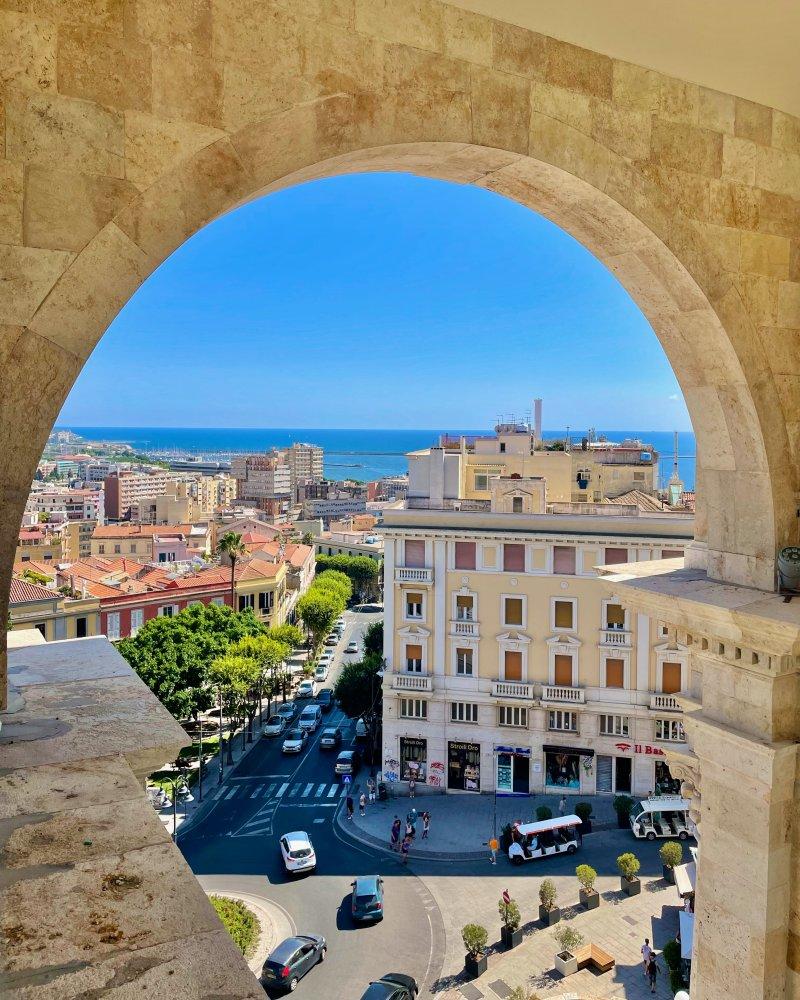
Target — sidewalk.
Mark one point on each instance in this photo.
(461, 825)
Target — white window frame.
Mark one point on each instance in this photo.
(513, 643)
(463, 592)
(138, 622)
(162, 612)
(452, 555)
(423, 606)
(605, 603)
(525, 560)
(615, 653)
(512, 716)
(415, 639)
(514, 597)
(464, 673)
(219, 601)
(669, 724)
(112, 625)
(567, 600)
(560, 715)
(480, 475)
(460, 711)
(569, 646)
(620, 725)
(678, 654)
(413, 708)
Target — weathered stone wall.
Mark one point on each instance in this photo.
(126, 126)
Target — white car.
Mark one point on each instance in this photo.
(295, 741)
(298, 852)
(332, 639)
(352, 646)
(310, 718)
(306, 689)
(325, 660)
(321, 673)
(274, 725)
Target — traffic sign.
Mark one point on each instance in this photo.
(346, 779)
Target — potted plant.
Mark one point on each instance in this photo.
(549, 913)
(671, 856)
(543, 813)
(587, 877)
(622, 806)
(584, 811)
(475, 937)
(506, 837)
(510, 932)
(629, 881)
(569, 940)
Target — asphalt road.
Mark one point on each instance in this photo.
(271, 794)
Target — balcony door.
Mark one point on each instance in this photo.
(671, 678)
(512, 665)
(563, 670)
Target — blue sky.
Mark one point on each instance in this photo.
(380, 300)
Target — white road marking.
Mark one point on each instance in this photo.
(320, 790)
(293, 791)
(270, 790)
(320, 819)
(282, 789)
(332, 791)
(255, 792)
(232, 792)
(308, 788)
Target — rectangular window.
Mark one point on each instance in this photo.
(112, 625)
(413, 605)
(266, 600)
(615, 616)
(133, 546)
(670, 731)
(481, 481)
(671, 678)
(565, 722)
(101, 549)
(464, 662)
(564, 560)
(465, 608)
(414, 659)
(245, 601)
(613, 556)
(516, 505)
(513, 558)
(512, 665)
(169, 610)
(413, 758)
(219, 601)
(615, 673)
(413, 708)
(415, 553)
(60, 628)
(465, 555)
(81, 627)
(512, 715)
(512, 611)
(117, 549)
(162, 557)
(563, 614)
(463, 711)
(137, 620)
(671, 554)
(563, 670)
(614, 725)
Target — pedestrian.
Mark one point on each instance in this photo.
(362, 803)
(409, 831)
(412, 788)
(404, 849)
(395, 834)
(652, 971)
(562, 805)
(371, 789)
(350, 807)
(647, 954)
(426, 824)
(493, 845)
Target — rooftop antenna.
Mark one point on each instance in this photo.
(567, 441)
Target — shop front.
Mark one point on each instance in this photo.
(512, 770)
(413, 758)
(665, 784)
(463, 767)
(648, 764)
(614, 774)
(563, 765)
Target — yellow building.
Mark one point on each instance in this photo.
(40, 543)
(77, 540)
(507, 667)
(53, 614)
(213, 492)
(262, 585)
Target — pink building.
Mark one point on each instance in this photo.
(169, 547)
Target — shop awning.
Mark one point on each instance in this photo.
(685, 876)
(686, 924)
(582, 751)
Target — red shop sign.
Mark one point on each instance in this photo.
(642, 748)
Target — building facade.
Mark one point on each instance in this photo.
(306, 461)
(123, 489)
(52, 613)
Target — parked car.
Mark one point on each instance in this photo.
(331, 738)
(292, 959)
(352, 647)
(294, 741)
(298, 852)
(310, 718)
(321, 673)
(325, 699)
(367, 898)
(306, 689)
(392, 986)
(332, 638)
(274, 725)
(348, 762)
(361, 730)
(286, 711)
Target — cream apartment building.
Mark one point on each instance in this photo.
(507, 667)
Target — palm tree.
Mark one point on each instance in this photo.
(231, 545)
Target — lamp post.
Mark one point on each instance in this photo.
(176, 783)
(221, 748)
(200, 762)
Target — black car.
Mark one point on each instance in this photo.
(392, 986)
(290, 961)
(325, 699)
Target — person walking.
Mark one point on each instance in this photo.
(371, 789)
(647, 954)
(426, 824)
(350, 807)
(394, 838)
(562, 805)
(493, 846)
(652, 971)
(404, 849)
(412, 788)
(362, 804)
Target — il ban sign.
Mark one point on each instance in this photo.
(643, 748)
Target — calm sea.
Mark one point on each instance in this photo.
(359, 454)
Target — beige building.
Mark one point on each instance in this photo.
(174, 506)
(214, 492)
(306, 461)
(76, 539)
(124, 489)
(51, 613)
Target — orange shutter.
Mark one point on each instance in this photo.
(615, 673)
(563, 614)
(413, 652)
(513, 611)
(671, 678)
(563, 671)
(513, 666)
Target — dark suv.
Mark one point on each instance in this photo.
(392, 986)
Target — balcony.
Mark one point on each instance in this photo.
(615, 637)
(562, 694)
(664, 703)
(413, 574)
(512, 689)
(462, 627)
(412, 682)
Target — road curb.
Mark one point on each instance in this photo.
(367, 839)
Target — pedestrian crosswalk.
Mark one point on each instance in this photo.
(320, 793)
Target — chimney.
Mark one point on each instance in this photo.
(537, 423)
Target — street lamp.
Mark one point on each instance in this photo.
(178, 783)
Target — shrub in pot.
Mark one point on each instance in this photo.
(543, 813)
(510, 932)
(568, 940)
(549, 913)
(672, 954)
(584, 811)
(622, 806)
(475, 937)
(629, 865)
(587, 877)
(506, 836)
(671, 856)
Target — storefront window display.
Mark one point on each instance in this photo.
(513, 771)
(464, 766)
(562, 769)
(413, 758)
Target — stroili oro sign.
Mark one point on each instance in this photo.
(641, 748)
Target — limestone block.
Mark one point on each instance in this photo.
(778, 214)
(564, 105)
(631, 186)
(692, 194)
(64, 209)
(636, 87)
(500, 109)
(429, 95)
(767, 255)
(516, 50)
(29, 274)
(625, 132)
(733, 204)
(782, 347)
(753, 121)
(419, 23)
(716, 110)
(566, 147)
(468, 36)
(785, 132)
(27, 52)
(687, 147)
(738, 160)
(75, 134)
(187, 25)
(11, 187)
(717, 451)
(102, 67)
(725, 241)
(101, 280)
(335, 60)
(574, 68)
(106, 15)
(155, 145)
(789, 304)
(778, 171)
(679, 101)
(794, 261)
(244, 30)
(187, 87)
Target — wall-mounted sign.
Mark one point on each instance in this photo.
(643, 748)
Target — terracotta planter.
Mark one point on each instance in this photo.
(631, 886)
(668, 873)
(475, 965)
(566, 963)
(549, 917)
(591, 900)
(510, 938)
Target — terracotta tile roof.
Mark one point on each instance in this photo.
(22, 592)
(46, 569)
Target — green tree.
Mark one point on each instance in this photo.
(290, 634)
(318, 609)
(364, 572)
(307, 539)
(270, 654)
(359, 692)
(235, 677)
(231, 545)
(339, 583)
(373, 638)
